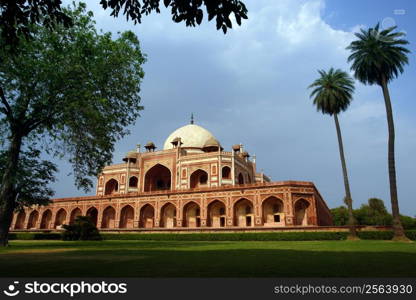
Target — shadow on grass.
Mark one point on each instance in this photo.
(154, 262)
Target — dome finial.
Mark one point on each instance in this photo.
(192, 118)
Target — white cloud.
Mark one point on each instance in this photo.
(250, 86)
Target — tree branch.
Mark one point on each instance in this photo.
(8, 109)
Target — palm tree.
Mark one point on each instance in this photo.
(332, 94)
(378, 56)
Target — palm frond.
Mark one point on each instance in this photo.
(378, 54)
(332, 91)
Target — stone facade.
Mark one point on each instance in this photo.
(191, 183)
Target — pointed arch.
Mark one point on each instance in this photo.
(301, 209)
(273, 211)
(126, 217)
(108, 218)
(243, 213)
(60, 217)
(74, 214)
(46, 219)
(191, 214)
(157, 178)
(111, 187)
(216, 214)
(133, 182)
(226, 172)
(240, 178)
(20, 220)
(33, 220)
(92, 212)
(168, 215)
(198, 178)
(147, 216)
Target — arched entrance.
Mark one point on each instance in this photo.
(157, 178)
(33, 220)
(111, 187)
(199, 178)
(226, 172)
(272, 209)
(147, 216)
(240, 178)
(168, 216)
(301, 212)
(133, 182)
(60, 218)
(92, 212)
(46, 219)
(191, 215)
(20, 220)
(126, 217)
(109, 216)
(243, 213)
(216, 214)
(74, 214)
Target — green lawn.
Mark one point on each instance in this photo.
(208, 259)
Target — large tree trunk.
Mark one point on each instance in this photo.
(397, 225)
(348, 198)
(7, 191)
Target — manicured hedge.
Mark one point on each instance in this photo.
(246, 236)
(35, 236)
(255, 236)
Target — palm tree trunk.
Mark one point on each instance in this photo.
(397, 225)
(7, 189)
(348, 198)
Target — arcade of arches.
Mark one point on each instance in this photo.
(272, 212)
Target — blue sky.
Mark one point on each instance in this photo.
(250, 87)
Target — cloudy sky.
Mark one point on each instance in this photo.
(250, 86)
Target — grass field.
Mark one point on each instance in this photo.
(208, 259)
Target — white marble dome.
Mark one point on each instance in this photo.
(192, 136)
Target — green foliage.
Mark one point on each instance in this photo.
(332, 91)
(35, 236)
(33, 178)
(408, 222)
(255, 236)
(340, 216)
(373, 213)
(82, 229)
(246, 236)
(75, 88)
(378, 53)
(16, 17)
(377, 205)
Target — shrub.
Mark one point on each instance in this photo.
(34, 236)
(408, 222)
(83, 229)
(246, 236)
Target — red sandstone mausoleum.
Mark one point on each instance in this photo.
(191, 183)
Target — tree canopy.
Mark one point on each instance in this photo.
(17, 16)
(34, 176)
(377, 53)
(72, 92)
(372, 213)
(74, 87)
(332, 91)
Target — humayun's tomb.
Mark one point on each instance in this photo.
(191, 183)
